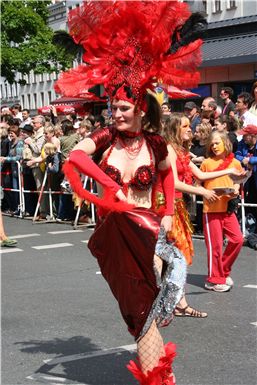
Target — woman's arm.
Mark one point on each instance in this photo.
(184, 187)
(212, 174)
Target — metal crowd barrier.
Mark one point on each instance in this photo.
(22, 191)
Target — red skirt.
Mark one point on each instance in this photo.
(124, 245)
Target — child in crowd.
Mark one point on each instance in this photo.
(219, 220)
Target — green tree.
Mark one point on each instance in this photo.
(27, 41)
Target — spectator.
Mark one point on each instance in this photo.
(226, 94)
(192, 112)
(26, 119)
(208, 117)
(219, 220)
(36, 144)
(253, 108)
(209, 104)
(85, 128)
(28, 179)
(5, 167)
(14, 155)
(166, 109)
(99, 122)
(198, 149)
(229, 125)
(16, 111)
(243, 104)
(247, 154)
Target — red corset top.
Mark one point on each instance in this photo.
(143, 179)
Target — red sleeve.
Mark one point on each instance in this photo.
(102, 137)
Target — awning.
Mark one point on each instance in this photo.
(230, 50)
(90, 98)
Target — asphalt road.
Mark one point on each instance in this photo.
(61, 325)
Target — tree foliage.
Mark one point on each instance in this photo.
(27, 41)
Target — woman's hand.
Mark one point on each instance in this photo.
(210, 195)
(166, 222)
(30, 163)
(236, 172)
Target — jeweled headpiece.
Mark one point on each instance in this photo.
(129, 45)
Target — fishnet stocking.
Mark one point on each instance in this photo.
(150, 346)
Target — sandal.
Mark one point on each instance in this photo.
(189, 311)
(8, 242)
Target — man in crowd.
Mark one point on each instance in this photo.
(226, 93)
(26, 119)
(191, 111)
(243, 104)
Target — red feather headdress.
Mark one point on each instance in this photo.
(133, 44)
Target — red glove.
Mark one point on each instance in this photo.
(168, 189)
(87, 166)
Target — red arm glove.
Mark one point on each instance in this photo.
(168, 189)
(87, 166)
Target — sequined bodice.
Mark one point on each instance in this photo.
(143, 178)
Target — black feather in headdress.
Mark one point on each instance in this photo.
(193, 29)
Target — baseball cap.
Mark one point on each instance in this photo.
(27, 128)
(249, 130)
(190, 106)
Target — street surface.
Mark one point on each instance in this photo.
(61, 325)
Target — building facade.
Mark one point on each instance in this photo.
(229, 52)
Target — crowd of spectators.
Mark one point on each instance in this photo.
(42, 143)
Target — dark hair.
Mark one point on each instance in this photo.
(99, 119)
(228, 91)
(66, 126)
(231, 122)
(208, 115)
(16, 106)
(152, 119)
(246, 97)
(14, 128)
(25, 109)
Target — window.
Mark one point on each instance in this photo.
(231, 4)
(205, 6)
(216, 6)
(49, 97)
(29, 101)
(35, 100)
(42, 98)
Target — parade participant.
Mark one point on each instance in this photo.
(177, 133)
(145, 273)
(219, 221)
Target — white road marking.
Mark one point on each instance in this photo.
(65, 231)
(253, 323)
(10, 250)
(98, 272)
(84, 241)
(53, 380)
(53, 246)
(251, 286)
(98, 353)
(24, 236)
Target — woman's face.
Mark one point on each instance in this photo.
(185, 130)
(48, 136)
(12, 136)
(217, 145)
(125, 117)
(255, 93)
(220, 127)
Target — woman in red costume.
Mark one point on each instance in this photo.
(145, 272)
(177, 133)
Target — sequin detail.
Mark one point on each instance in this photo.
(171, 284)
